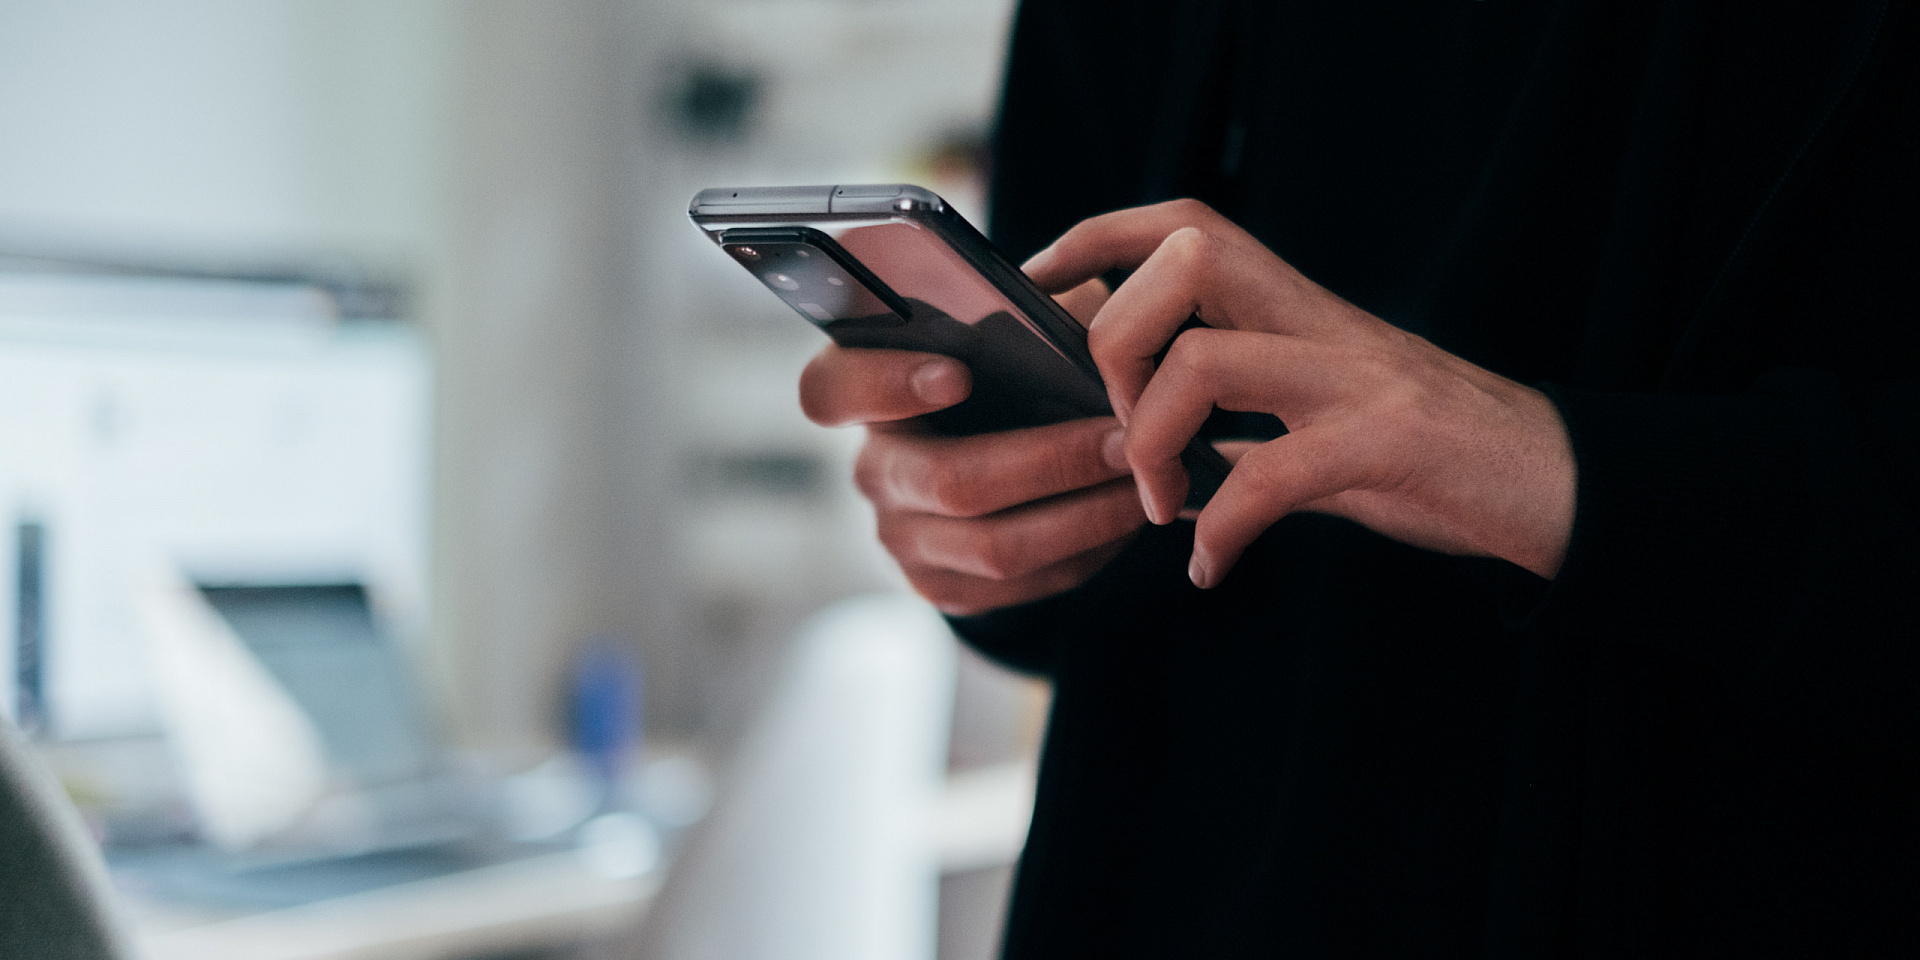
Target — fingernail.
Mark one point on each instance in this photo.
(1152, 509)
(939, 382)
(1113, 450)
(1197, 572)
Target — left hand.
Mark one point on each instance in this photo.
(1385, 428)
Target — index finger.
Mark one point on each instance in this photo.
(1123, 239)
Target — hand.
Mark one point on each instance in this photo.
(1384, 428)
(980, 522)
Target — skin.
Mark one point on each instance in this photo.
(1386, 429)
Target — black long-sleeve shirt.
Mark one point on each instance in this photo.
(1697, 226)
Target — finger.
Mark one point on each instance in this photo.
(1230, 369)
(1085, 300)
(1135, 238)
(1233, 450)
(1124, 238)
(1016, 543)
(843, 385)
(962, 595)
(1148, 311)
(1278, 478)
(977, 475)
(1195, 273)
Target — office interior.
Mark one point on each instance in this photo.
(414, 547)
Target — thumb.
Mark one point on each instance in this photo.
(1269, 482)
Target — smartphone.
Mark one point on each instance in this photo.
(893, 266)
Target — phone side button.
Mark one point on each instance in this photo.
(865, 197)
(763, 200)
(867, 190)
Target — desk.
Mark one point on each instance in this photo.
(549, 900)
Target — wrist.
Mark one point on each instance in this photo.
(1544, 495)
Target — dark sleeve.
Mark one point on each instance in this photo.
(1074, 133)
(1150, 574)
(1731, 528)
(1068, 145)
(1767, 515)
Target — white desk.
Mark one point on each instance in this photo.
(547, 901)
(550, 900)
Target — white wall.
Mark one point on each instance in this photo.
(555, 461)
(224, 127)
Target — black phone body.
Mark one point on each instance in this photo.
(892, 266)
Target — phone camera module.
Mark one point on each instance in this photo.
(783, 281)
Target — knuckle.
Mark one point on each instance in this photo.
(1065, 466)
(950, 486)
(1399, 406)
(1187, 208)
(1266, 467)
(870, 471)
(897, 539)
(1102, 342)
(991, 553)
(1182, 246)
(924, 472)
(1192, 247)
(1191, 354)
(1402, 367)
(864, 473)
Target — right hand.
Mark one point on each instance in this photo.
(981, 522)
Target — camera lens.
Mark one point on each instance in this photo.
(746, 253)
(783, 281)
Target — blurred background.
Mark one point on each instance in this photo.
(413, 545)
